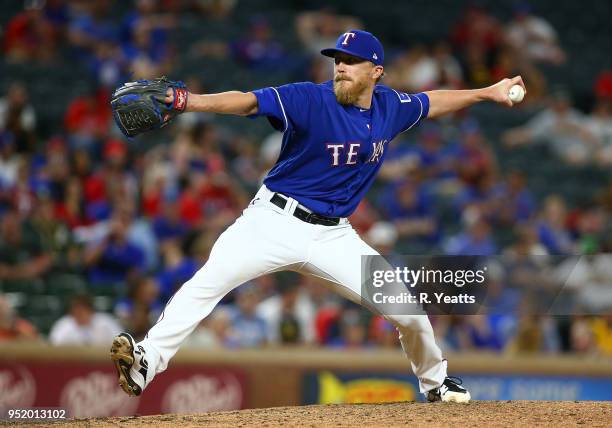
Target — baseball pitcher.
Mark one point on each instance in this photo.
(335, 138)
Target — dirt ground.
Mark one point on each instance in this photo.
(475, 414)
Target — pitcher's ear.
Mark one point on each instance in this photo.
(378, 71)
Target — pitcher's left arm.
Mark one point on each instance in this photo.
(445, 101)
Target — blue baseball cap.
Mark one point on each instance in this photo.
(360, 44)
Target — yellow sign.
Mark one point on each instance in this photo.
(332, 390)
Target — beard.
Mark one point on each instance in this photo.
(348, 92)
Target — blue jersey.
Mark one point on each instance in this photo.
(331, 153)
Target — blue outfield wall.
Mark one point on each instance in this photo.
(325, 387)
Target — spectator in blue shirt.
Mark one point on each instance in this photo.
(552, 230)
(143, 48)
(111, 260)
(353, 332)
(437, 157)
(169, 225)
(248, 330)
(483, 333)
(476, 240)
(146, 14)
(411, 208)
(434, 157)
(89, 29)
(518, 201)
(177, 269)
(258, 50)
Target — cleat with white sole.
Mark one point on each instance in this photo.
(450, 391)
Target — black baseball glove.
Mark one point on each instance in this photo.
(139, 106)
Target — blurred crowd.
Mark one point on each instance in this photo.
(134, 225)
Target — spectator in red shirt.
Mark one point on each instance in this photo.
(71, 209)
(111, 182)
(475, 158)
(213, 196)
(603, 85)
(29, 36)
(477, 27)
(88, 118)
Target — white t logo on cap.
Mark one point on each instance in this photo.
(347, 36)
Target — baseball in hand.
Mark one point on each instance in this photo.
(516, 93)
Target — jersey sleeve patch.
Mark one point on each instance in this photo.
(403, 97)
(410, 109)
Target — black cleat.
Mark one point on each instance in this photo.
(450, 391)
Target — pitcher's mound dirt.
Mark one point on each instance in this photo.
(475, 414)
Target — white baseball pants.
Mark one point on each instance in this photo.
(267, 239)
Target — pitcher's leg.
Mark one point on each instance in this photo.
(338, 260)
(230, 264)
(419, 344)
(254, 245)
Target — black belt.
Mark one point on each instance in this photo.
(309, 217)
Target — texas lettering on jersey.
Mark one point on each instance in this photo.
(377, 151)
(331, 153)
(346, 154)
